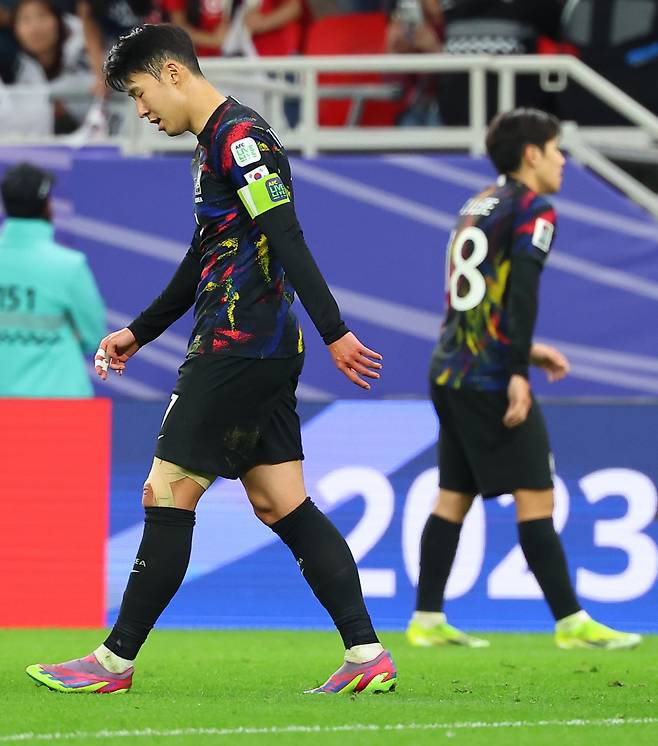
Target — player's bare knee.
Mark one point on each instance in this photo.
(263, 508)
(265, 515)
(453, 506)
(533, 504)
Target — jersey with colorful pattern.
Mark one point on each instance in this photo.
(243, 299)
(501, 224)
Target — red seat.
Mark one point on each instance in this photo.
(358, 33)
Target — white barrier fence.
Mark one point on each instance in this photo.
(267, 83)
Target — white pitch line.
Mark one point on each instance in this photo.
(351, 728)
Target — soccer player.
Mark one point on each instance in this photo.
(233, 410)
(492, 438)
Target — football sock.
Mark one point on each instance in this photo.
(110, 661)
(327, 565)
(157, 574)
(363, 653)
(438, 547)
(545, 557)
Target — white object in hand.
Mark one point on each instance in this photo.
(101, 359)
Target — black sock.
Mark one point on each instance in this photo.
(545, 557)
(157, 574)
(329, 568)
(438, 547)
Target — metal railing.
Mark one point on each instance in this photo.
(275, 80)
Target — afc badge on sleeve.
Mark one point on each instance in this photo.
(543, 234)
(245, 151)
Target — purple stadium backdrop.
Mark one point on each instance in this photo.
(378, 226)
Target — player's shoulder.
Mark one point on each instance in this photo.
(243, 137)
(534, 205)
(535, 222)
(241, 121)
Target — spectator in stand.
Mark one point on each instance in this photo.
(618, 39)
(206, 22)
(104, 21)
(272, 26)
(8, 45)
(9, 48)
(52, 52)
(275, 26)
(494, 27)
(416, 27)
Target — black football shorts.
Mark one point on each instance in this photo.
(478, 454)
(228, 414)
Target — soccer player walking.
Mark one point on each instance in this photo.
(233, 410)
(492, 438)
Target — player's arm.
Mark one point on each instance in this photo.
(532, 239)
(286, 238)
(268, 202)
(174, 301)
(115, 349)
(523, 294)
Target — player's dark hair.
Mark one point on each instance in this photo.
(510, 132)
(145, 50)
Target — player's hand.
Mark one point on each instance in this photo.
(520, 401)
(551, 360)
(352, 358)
(114, 351)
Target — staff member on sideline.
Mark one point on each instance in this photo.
(51, 313)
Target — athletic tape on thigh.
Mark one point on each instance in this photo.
(163, 474)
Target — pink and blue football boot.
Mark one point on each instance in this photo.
(376, 677)
(83, 675)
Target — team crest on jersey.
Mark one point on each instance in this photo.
(245, 151)
(543, 234)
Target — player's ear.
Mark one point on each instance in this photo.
(532, 154)
(172, 72)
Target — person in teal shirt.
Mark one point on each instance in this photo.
(51, 313)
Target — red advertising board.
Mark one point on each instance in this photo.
(54, 481)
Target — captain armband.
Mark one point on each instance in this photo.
(263, 195)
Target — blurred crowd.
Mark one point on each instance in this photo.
(60, 45)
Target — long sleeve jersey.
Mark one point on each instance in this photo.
(494, 261)
(248, 255)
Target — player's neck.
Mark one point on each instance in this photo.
(528, 178)
(203, 99)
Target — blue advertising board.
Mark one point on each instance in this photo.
(371, 466)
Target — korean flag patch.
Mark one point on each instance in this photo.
(543, 234)
(256, 174)
(245, 151)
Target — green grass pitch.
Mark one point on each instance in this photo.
(244, 687)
